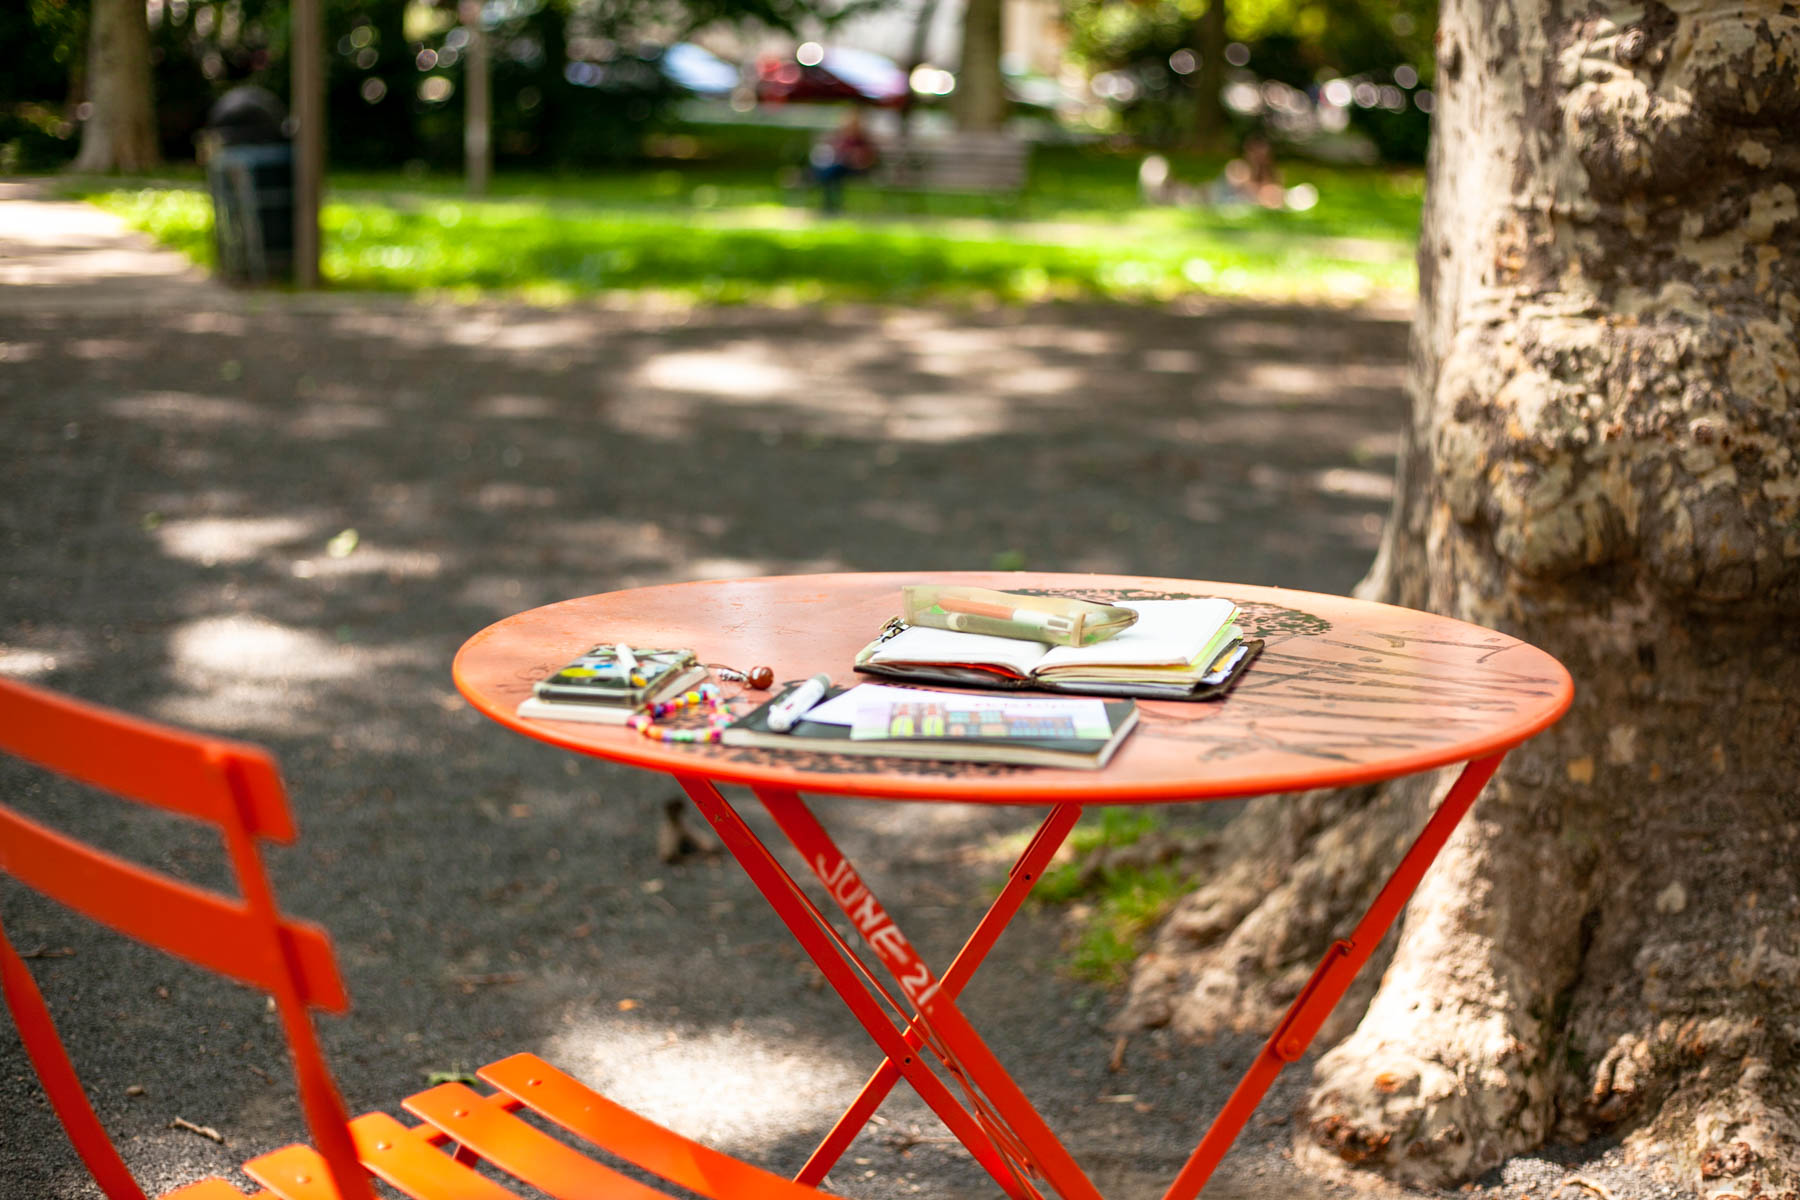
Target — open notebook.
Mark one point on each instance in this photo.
(1177, 650)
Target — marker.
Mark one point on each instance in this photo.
(1052, 624)
(793, 706)
(624, 659)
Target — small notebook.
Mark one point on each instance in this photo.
(605, 687)
(1177, 650)
(610, 714)
(602, 675)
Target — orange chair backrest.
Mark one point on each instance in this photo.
(232, 786)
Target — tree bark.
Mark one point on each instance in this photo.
(1600, 460)
(979, 101)
(478, 142)
(1209, 76)
(119, 133)
(307, 86)
(915, 58)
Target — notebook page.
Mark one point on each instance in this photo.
(921, 644)
(1167, 631)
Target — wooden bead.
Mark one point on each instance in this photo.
(756, 677)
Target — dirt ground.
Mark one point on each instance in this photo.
(278, 516)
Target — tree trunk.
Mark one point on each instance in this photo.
(915, 58)
(306, 75)
(979, 101)
(1601, 460)
(120, 131)
(1209, 76)
(478, 108)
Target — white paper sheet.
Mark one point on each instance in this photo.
(842, 710)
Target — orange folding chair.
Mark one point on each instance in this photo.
(236, 788)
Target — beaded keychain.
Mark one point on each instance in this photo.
(706, 697)
(757, 677)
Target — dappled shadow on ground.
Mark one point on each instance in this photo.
(279, 519)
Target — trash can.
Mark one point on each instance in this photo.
(250, 172)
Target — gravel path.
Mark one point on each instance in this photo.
(278, 517)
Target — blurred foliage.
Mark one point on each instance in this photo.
(394, 72)
(1301, 43)
(34, 137)
(727, 230)
(573, 84)
(44, 42)
(1300, 40)
(45, 54)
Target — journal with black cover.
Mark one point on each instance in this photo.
(1072, 753)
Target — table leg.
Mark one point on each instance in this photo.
(964, 1053)
(820, 943)
(1024, 874)
(1330, 981)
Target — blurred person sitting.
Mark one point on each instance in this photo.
(1252, 177)
(1157, 185)
(849, 151)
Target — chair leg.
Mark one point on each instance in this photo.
(57, 1075)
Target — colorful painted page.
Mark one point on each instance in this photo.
(939, 716)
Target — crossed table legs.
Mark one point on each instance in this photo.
(994, 1120)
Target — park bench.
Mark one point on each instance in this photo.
(245, 937)
(980, 163)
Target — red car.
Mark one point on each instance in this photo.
(814, 74)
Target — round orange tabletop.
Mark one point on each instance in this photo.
(1345, 691)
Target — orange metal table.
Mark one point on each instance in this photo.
(1345, 692)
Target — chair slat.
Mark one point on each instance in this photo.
(249, 941)
(397, 1154)
(186, 921)
(582, 1111)
(474, 1121)
(401, 1155)
(171, 769)
(293, 1173)
(212, 1189)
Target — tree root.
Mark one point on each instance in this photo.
(1717, 1099)
(1236, 951)
(1446, 1074)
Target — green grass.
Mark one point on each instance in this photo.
(1123, 903)
(1133, 903)
(714, 226)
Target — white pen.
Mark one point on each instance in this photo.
(624, 659)
(793, 706)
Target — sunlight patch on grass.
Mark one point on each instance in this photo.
(559, 251)
(180, 218)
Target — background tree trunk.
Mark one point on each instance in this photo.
(915, 58)
(979, 101)
(478, 107)
(1209, 76)
(120, 131)
(1601, 460)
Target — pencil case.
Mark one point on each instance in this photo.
(1053, 619)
